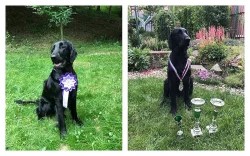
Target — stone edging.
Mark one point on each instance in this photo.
(161, 74)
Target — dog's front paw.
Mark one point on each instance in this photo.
(79, 123)
(188, 105)
(173, 111)
(63, 134)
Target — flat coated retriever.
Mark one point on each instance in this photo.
(179, 79)
(50, 103)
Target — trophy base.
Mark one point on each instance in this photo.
(180, 135)
(196, 133)
(211, 129)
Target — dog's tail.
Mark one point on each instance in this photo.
(21, 102)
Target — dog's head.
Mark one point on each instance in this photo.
(62, 54)
(178, 38)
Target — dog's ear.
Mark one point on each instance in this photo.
(73, 52)
(170, 42)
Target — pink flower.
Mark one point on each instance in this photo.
(212, 35)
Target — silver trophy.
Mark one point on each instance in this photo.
(217, 103)
(198, 102)
(179, 132)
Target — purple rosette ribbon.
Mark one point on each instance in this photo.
(68, 82)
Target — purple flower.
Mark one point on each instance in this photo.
(204, 74)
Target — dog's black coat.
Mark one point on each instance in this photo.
(63, 55)
(178, 42)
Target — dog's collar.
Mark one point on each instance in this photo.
(185, 70)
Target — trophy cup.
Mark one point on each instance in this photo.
(180, 132)
(196, 131)
(217, 103)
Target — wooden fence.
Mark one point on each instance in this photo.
(237, 22)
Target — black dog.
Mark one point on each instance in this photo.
(178, 68)
(50, 103)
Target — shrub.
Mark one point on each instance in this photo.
(148, 34)
(189, 51)
(234, 61)
(235, 80)
(8, 38)
(195, 44)
(132, 23)
(153, 44)
(216, 15)
(213, 52)
(233, 42)
(189, 19)
(162, 45)
(138, 59)
(193, 18)
(132, 36)
(149, 42)
(141, 30)
(133, 39)
(164, 23)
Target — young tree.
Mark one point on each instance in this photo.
(151, 9)
(59, 15)
(194, 18)
(98, 8)
(110, 7)
(191, 18)
(164, 23)
(217, 16)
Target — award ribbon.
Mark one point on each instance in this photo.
(68, 82)
(183, 73)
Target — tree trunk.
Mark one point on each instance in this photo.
(61, 28)
(137, 26)
(98, 8)
(110, 7)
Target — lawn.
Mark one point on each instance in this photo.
(99, 100)
(151, 127)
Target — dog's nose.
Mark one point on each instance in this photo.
(53, 56)
(187, 39)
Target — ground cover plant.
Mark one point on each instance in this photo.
(98, 66)
(151, 127)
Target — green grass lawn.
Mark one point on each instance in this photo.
(99, 100)
(151, 127)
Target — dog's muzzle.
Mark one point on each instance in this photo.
(56, 60)
(187, 40)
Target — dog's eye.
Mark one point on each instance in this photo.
(52, 49)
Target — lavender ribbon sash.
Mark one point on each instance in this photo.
(68, 82)
(184, 71)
